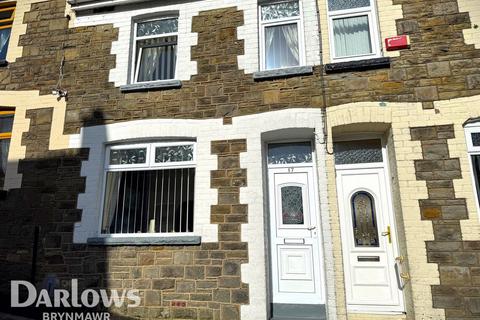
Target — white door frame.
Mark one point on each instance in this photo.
(315, 216)
(394, 252)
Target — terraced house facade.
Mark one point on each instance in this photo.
(244, 159)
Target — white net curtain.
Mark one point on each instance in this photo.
(352, 36)
(281, 46)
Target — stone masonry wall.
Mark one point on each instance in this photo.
(185, 282)
(204, 282)
(439, 65)
(458, 261)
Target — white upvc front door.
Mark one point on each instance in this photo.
(294, 236)
(369, 240)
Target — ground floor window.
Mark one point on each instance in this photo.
(472, 134)
(149, 188)
(6, 124)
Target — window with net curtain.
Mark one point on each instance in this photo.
(351, 22)
(7, 11)
(280, 23)
(155, 49)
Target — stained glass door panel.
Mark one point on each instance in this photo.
(365, 231)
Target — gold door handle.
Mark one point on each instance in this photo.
(405, 276)
(388, 234)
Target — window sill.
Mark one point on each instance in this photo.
(358, 65)
(154, 85)
(145, 241)
(3, 63)
(282, 73)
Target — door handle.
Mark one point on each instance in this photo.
(402, 277)
(311, 228)
(388, 234)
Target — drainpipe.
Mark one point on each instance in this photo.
(322, 79)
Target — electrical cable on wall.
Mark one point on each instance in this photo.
(59, 91)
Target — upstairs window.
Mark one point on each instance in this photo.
(149, 189)
(353, 29)
(7, 12)
(281, 32)
(155, 49)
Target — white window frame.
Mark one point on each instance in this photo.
(278, 22)
(371, 13)
(473, 151)
(134, 65)
(148, 165)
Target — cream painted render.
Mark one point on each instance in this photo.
(472, 35)
(186, 39)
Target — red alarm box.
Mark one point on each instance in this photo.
(397, 43)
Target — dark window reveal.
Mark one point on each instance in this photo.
(149, 201)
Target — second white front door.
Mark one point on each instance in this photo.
(294, 234)
(368, 241)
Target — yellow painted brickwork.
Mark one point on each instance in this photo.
(472, 35)
(401, 117)
(387, 14)
(23, 101)
(323, 16)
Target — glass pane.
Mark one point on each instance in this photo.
(476, 172)
(6, 123)
(281, 46)
(128, 156)
(476, 139)
(283, 153)
(365, 230)
(292, 205)
(360, 151)
(280, 10)
(4, 146)
(149, 201)
(174, 153)
(6, 14)
(4, 37)
(347, 4)
(158, 59)
(351, 36)
(156, 27)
